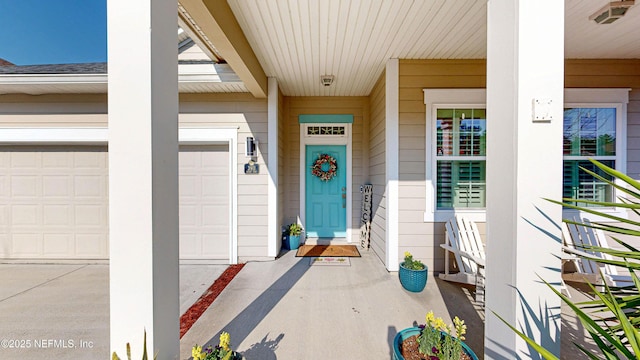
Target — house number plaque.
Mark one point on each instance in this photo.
(251, 168)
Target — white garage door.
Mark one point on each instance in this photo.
(54, 202)
(204, 202)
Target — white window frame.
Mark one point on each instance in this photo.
(476, 98)
(435, 99)
(603, 98)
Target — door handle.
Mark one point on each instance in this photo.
(344, 199)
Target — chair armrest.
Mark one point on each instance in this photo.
(579, 253)
(473, 258)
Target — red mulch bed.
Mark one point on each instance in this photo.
(197, 309)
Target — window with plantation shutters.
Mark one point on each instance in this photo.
(589, 133)
(460, 158)
(594, 127)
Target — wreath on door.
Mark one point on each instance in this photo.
(317, 168)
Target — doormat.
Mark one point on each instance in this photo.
(330, 261)
(328, 251)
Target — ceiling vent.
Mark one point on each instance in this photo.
(326, 80)
(611, 12)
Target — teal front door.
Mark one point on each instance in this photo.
(326, 201)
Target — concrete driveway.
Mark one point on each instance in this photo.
(62, 311)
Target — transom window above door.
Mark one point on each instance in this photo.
(325, 130)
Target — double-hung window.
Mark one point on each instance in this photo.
(456, 133)
(461, 139)
(594, 128)
(456, 153)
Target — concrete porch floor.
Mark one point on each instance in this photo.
(282, 309)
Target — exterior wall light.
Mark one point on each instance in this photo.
(612, 11)
(251, 149)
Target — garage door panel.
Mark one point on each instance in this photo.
(212, 248)
(54, 186)
(57, 215)
(189, 216)
(212, 186)
(56, 160)
(24, 160)
(89, 160)
(24, 186)
(90, 245)
(189, 245)
(24, 215)
(90, 216)
(58, 245)
(215, 215)
(90, 186)
(189, 186)
(26, 245)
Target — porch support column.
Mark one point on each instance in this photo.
(143, 176)
(392, 160)
(272, 168)
(525, 52)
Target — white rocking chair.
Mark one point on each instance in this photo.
(576, 237)
(464, 241)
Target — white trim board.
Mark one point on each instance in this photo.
(392, 163)
(99, 136)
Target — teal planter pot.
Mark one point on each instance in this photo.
(413, 280)
(292, 242)
(409, 332)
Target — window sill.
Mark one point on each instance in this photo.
(479, 215)
(572, 214)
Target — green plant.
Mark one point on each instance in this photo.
(295, 229)
(436, 339)
(617, 332)
(221, 352)
(114, 356)
(410, 263)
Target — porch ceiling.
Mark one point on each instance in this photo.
(297, 41)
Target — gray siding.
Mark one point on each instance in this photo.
(377, 174)
(420, 238)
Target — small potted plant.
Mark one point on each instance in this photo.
(413, 273)
(221, 352)
(434, 341)
(292, 238)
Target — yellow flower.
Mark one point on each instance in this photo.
(430, 318)
(461, 328)
(439, 324)
(407, 254)
(196, 353)
(225, 340)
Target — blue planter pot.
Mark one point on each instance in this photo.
(413, 280)
(409, 332)
(292, 242)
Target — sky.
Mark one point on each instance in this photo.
(53, 31)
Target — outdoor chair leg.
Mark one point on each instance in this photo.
(480, 286)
